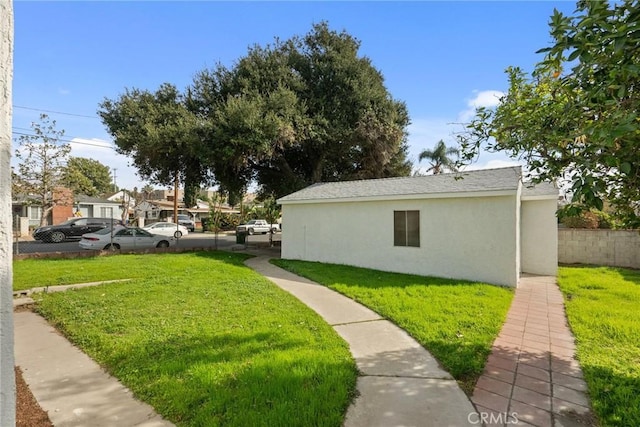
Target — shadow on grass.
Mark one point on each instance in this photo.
(364, 277)
(234, 378)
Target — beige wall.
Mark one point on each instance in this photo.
(620, 248)
(473, 238)
(539, 237)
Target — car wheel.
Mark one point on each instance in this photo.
(163, 243)
(250, 231)
(274, 230)
(57, 236)
(114, 246)
(177, 234)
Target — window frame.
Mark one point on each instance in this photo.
(406, 228)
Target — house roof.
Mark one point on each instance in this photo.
(81, 198)
(543, 190)
(485, 181)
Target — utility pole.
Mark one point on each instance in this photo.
(175, 198)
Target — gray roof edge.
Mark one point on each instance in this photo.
(341, 185)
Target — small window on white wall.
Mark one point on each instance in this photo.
(406, 228)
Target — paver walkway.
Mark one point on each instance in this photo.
(400, 383)
(532, 376)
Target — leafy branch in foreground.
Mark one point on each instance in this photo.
(575, 118)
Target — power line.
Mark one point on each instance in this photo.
(64, 140)
(55, 112)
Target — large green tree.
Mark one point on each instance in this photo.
(87, 176)
(439, 158)
(158, 132)
(42, 157)
(576, 116)
(301, 111)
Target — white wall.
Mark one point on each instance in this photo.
(472, 238)
(539, 237)
(7, 379)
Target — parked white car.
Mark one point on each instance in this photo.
(124, 238)
(167, 229)
(257, 226)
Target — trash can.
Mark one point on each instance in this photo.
(241, 237)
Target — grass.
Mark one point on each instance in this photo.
(32, 272)
(457, 321)
(603, 307)
(202, 338)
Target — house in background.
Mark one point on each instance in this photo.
(96, 207)
(28, 207)
(483, 225)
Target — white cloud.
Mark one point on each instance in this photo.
(63, 91)
(426, 132)
(493, 164)
(485, 98)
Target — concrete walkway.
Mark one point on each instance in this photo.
(69, 385)
(400, 383)
(532, 376)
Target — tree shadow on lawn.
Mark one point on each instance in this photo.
(370, 278)
(238, 378)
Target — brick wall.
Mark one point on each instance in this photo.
(619, 248)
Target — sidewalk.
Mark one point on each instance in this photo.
(69, 385)
(400, 383)
(532, 371)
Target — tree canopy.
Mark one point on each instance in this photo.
(284, 116)
(158, 132)
(87, 176)
(576, 116)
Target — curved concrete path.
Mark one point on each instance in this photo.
(400, 383)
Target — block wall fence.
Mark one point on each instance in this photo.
(616, 248)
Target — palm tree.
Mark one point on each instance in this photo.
(439, 156)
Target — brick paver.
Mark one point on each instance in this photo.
(532, 376)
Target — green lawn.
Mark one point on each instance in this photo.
(603, 307)
(202, 338)
(457, 321)
(33, 272)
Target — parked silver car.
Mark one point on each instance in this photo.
(124, 238)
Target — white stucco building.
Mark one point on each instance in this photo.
(483, 225)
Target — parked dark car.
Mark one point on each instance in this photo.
(72, 229)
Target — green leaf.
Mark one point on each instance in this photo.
(574, 55)
(625, 168)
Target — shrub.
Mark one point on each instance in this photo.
(584, 220)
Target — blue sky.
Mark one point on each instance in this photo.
(440, 58)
